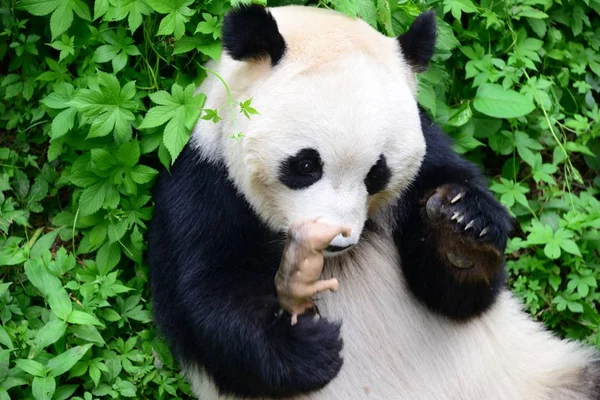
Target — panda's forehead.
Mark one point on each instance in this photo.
(315, 37)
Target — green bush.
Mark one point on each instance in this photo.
(96, 94)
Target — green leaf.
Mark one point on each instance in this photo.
(106, 53)
(60, 303)
(570, 246)
(461, 116)
(92, 198)
(39, 7)
(5, 339)
(125, 388)
(142, 174)
(133, 10)
(63, 362)
(88, 332)
(493, 100)
(61, 18)
(43, 243)
(108, 257)
(129, 153)
(575, 307)
(552, 250)
(63, 123)
(83, 318)
(157, 116)
(100, 8)
(64, 392)
(176, 135)
(43, 388)
(178, 14)
(457, 7)
(31, 367)
(49, 334)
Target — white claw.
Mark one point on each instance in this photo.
(484, 231)
(461, 219)
(455, 216)
(470, 225)
(456, 198)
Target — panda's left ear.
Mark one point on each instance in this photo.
(418, 43)
(250, 33)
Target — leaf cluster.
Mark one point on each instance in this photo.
(98, 95)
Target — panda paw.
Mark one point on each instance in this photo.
(469, 224)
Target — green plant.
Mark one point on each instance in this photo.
(97, 94)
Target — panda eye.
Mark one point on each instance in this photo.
(378, 177)
(306, 166)
(301, 170)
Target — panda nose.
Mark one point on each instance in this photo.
(335, 249)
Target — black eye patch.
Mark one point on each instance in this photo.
(301, 170)
(378, 177)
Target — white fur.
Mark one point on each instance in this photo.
(345, 90)
(395, 349)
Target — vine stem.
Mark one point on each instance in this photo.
(230, 100)
(569, 168)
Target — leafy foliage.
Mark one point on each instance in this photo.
(96, 94)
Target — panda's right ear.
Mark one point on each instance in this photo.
(250, 33)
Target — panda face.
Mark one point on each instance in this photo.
(340, 144)
(338, 136)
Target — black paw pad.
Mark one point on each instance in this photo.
(471, 226)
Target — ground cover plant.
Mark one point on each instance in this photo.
(97, 95)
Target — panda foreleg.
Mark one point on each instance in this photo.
(451, 233)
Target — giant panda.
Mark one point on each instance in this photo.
(422, 312)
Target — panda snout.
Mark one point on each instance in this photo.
(340, 244)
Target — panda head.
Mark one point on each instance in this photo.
(338, 135)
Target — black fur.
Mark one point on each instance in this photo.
(212, 265)
(422, 240)
(378, 177)
(294, 173)
(250, 32)
(418, 43)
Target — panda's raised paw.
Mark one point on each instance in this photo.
(469, 224)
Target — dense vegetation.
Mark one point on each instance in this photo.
(97, 94)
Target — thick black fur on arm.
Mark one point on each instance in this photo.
(212, 265)
(451, 233)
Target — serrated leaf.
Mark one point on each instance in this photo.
(178, 14)
(129, 153)
(39, 7)
(63, 122)
(142, 174)
(100, 8)
(157, 116)
(92, 198)
(493, 100)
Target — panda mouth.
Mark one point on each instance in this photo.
(336, 249)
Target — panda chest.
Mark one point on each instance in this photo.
(381, 322)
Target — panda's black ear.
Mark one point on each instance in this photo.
(418, 43)
(250, 32)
